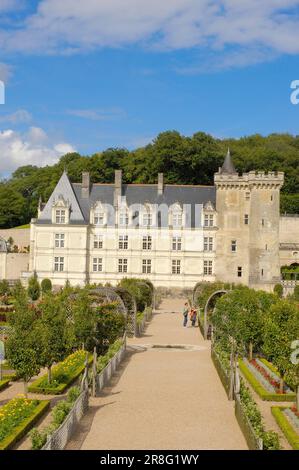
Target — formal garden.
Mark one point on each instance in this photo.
(257, 333)
(51, 339)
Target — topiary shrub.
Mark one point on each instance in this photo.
(46, 286)
(33, 288)
(278, 290)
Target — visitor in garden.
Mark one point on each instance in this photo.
(185, 314)
(193, 316)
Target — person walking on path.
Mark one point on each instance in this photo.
(193, 316)
(185, 314)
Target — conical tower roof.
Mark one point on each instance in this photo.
(228, 166)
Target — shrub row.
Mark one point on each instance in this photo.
(103, 361)
(260, 390)
(22, 416)
(289, 432)
(249, 407)
(63, 375)
(59, 414)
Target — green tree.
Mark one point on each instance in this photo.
(110, 326)
(296, 293)
(278, 290)
(33, 287)
(84, 321)
(23, 344)
(52, 330)
(281, 329)
(46, 286)
(12, 207)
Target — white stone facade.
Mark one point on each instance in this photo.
(173, 235)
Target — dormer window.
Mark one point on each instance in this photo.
(99, 218)
(60, 216)
(209, 220)
(176, 216)
(123, 219)
(147, 219)
(177, 219)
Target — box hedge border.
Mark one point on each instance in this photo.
(36, 388)
(260, 390)
(4, 383)
(289, 432)
(21, 430)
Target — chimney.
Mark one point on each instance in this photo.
(85, 184)
(117, 186)
(160, 184)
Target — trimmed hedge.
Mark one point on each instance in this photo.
(104, 360)
(38, 387)
(4, 383)
(289, 432)
(21, 430)
(260, 390)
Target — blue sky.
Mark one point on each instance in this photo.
(104, 73)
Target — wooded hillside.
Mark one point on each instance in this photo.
(183, 160)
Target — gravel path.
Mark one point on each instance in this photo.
(162, 398)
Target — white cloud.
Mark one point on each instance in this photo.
(260, 28)
(98, 114)
(5, 72)
(19, 116)
(31, 148)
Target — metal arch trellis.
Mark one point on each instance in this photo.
(196, 290)
(217, 292)
(131, 307)
(111, 296)
(150, 286)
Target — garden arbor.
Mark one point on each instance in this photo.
(213, 296)
(129, 303)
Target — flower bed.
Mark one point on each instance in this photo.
(4, 383)
(63, 374)
(264, 381)
(286, 419)
(17, 417)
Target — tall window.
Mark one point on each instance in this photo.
(123, 218)
(177, 219)
(208, 267)
(98, 241)
(59, 240)
(123, 242)
(176, 266)
(146, 266)
(97, 264)
(122, 265)
(58, 263)
(147, 242)
(234, 246)
(239, 271)
(208, 243)
(246, 219)
(209, 220)
(176, 243)
(147, 219)
(60, 216)
(99, 218)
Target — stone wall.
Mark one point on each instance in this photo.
(20, 236)
(289, 240)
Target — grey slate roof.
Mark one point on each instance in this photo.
(134, 194)
(228, 167)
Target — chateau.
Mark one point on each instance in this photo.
(174, 235)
